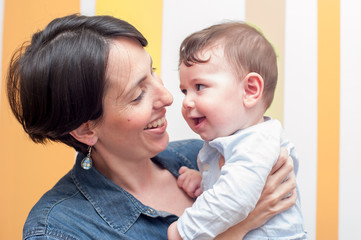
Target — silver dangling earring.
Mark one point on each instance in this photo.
(87, 162)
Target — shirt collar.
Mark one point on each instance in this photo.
(103, 194)
(221, 143)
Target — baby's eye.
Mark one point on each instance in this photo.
(200, 87)
(184, 91)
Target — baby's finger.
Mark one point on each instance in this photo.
(198, 192)
(182, 170)
(180, 180)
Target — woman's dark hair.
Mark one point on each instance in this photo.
(57, 82)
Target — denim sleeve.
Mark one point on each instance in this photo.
(180, 153)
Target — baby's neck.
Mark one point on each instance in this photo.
(251, 122)
(254, 119)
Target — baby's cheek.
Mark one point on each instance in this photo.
(183, 112)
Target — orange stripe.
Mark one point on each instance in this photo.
(145, 15)
(28, 170)
(328, 119)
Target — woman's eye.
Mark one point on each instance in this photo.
(140, 97)
(153, 69)
(200, 87)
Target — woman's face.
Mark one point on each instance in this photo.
(133, 125)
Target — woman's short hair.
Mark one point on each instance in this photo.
(57, 81)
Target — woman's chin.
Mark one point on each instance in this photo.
(160, 144)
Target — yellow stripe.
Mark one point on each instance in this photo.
(145, 15)
(328, 119)
(269, 16)
(28, 170)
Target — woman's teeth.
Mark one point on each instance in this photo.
(156, 123)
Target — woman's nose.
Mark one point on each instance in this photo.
(163, 96)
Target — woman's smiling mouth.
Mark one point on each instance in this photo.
(156, 123)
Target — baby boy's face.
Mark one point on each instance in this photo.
(212, 104)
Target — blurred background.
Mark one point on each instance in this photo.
(318, 44)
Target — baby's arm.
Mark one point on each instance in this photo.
(273, 199)
(190, 181)
(237, 190)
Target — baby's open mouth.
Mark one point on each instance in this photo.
(198, 120)
(155, 124)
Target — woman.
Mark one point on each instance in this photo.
(89, 83)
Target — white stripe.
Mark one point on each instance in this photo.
(87, 7)
(181, 18)
(300, 99)
(350, 121)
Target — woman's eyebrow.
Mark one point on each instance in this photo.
(137, 83)
(151, 63)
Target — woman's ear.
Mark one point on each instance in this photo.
(253, 89)
(85, 134)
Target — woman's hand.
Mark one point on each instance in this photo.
(278, 195)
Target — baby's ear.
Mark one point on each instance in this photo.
(85, 134)
(253, 89)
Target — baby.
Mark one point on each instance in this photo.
(228, 74)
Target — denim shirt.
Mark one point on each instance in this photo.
(84, 204)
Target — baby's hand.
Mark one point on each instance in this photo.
(190, 181)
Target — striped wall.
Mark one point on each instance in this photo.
(300, 98)
(328, 122)
(318, 46)
(350, 119)
(27, 170)
(1, 35)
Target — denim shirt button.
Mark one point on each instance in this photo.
(150, 211)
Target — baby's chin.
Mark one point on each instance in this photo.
(207, 137)
(212, 136)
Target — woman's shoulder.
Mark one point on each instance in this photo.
(53, 209)
(180, 153)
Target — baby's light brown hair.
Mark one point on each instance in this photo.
(245, 48)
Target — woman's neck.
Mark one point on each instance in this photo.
(133, 175)
(150, 184)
